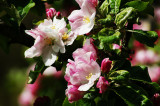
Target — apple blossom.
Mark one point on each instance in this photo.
(102, 84)
(83, 71)
(50, 38)
(145, 57)
(73, 93)
(106, 65)
(82, 21)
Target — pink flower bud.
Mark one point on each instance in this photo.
(116, 46)
(106, 65)
(50, 12)
(155, 99)
(73, 93)
(102, 84)
(58, 14)
(94, 2)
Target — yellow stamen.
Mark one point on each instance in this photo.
(48, 41)
(86, 19)
(52, 27)
(65, 36)
(89, 76)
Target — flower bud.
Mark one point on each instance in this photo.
(94, 2)
(58, 14)
(102, 84)
(73, 93)
(116, 46)
(50, 12)
(106, 65)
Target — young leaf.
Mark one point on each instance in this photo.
(26, 9)
(119, 76)
(114, 5)
(145, 37)
(123, 16)
(104, 8)
(137, 4)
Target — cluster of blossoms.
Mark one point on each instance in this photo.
(52, 36)
(84, 71)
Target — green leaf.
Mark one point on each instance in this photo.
(107, 21)
(133, 95)
(139, 73)
(145, 37)
(66, 103)
(123, 17)
(114, 5)
(107, 37)
(39, 68)
(26, 9)
(137, 4)
(119, 76)
(104, 8)
(14, 14)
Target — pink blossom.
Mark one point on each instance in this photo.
(82, 21)
(88, 47)
(102, 84)
(83, 71)
(50, 38)
(50, 12)
(146, 57)
(26, 98)
(106, 65)
(154, 73)
(73, 93)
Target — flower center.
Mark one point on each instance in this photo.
(89, 76)
(48, 41)
(86, 19)
(53, 27)
(65, 36)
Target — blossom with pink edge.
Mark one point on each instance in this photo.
(50, 12)
(88, 47)
(102, 84)
(93, 2)
(154, 73)
(73, 93)
(83, 71)
(50, 38)
(82, 21)
(145, 57)
(106, 65)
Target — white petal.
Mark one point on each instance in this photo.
(32, 52)
(48, 56)
(86, 87)
(59, 24)
(36, 49)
